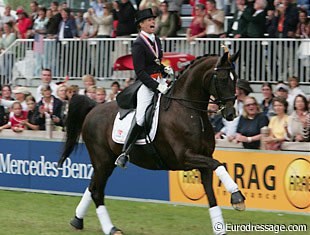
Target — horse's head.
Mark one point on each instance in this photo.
(223, 84)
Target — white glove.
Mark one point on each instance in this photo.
(168, 70)
(163, 88)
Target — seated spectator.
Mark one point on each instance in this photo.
(88, 80)
(215, 118)
(62, 95)
(62, 92)
(294, 90)
(46, 79)
(197, 29)
(104, 22)
(278, 124)
(100, 95)
(214, 20)
(48, 106)
(128, 82)
(282, 91)
(115, 89)
(72, 90)
(243, 89)
(303, 27)
(91, 92)
(15, 122)
(30, 122)
(256, 23)
(20, 95)
(266, 104)
(23, 24)
(166, 22)
(3, 116)
(299, 121)
(6, 92)
(250, 123)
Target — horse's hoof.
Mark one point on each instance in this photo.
(116, 231)
(77, 223)
(237, 201)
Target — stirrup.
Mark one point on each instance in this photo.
(122, 160)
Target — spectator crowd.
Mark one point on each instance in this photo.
(284, 109)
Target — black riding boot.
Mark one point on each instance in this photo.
(131, 138)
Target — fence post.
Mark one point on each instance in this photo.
(48, 126)
(265, 131)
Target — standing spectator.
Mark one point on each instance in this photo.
(299, 120)
(250, 123)
(214, 20)
(197, 28)
(266, 104)
(153, 4)
(126, 19)
(67, 27)
(34, 14)
(16, 121)
(46, 79)
(104, 22)
(80, 22)
(30, 122)
(194, 3)
(90, 30)
(166, 22)
(23, 23)
(175, 6)
(54, 21)
(97, 6)
(257, 21)
(100, 95)
(7, 60)
(303, 27)
(115, 89)
(7, 17)
(48, 106)
(238, 25)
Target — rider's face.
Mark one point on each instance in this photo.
(148, 25)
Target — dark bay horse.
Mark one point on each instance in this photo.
(184, 139)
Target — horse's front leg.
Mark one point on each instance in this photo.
(216, 216)
(198, 161)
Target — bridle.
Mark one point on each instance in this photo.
(219, 100)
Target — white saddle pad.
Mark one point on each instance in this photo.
(121, 127)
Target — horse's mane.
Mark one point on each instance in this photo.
(194, 62)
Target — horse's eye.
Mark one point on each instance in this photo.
(231, 76)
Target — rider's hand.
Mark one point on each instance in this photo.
(168, 70)
(162, 88)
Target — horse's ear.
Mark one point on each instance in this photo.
(234, 57)
(224, 58)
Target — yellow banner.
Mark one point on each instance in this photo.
(269, 180)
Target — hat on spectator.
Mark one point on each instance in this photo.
(244, 85)
(19, 11)
(143, 15)
(282, 87)
(22, 90)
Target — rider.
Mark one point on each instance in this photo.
(147, 54)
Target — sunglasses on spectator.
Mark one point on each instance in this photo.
(251, 104)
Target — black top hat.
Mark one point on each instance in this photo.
(144, 14)
(244, 85)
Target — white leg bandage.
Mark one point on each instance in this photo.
(84, 204)
(217, 220)
(104, 219)
(225, 178)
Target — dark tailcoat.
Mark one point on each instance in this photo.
(144, 62)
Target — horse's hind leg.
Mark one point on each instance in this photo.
(78, 221)
(217, 220)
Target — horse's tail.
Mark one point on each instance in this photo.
(79, 107)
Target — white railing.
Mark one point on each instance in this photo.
(261, 59)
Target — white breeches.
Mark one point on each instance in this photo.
(144, 98)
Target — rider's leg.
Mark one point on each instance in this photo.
(144, 98)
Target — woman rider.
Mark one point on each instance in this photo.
(147, 54)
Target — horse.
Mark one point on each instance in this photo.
(184, 139)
